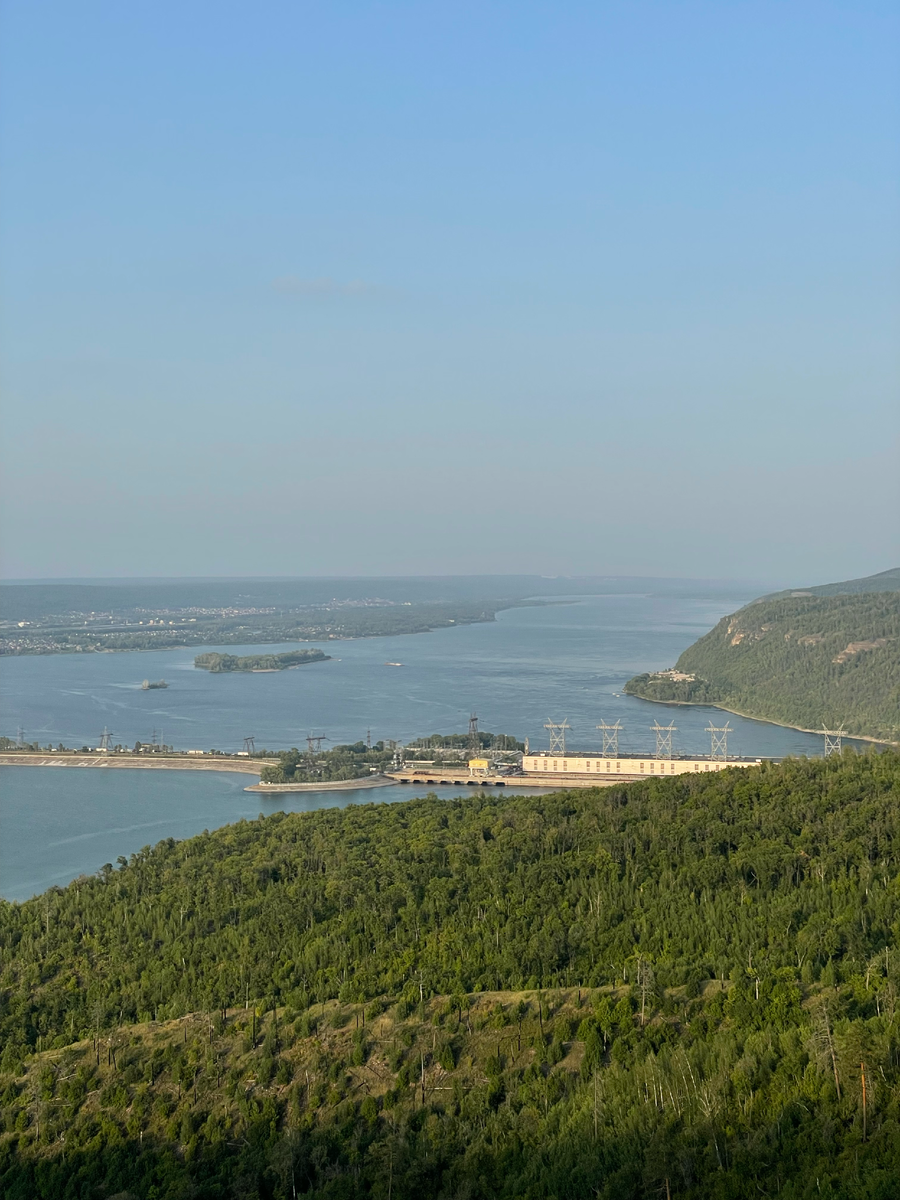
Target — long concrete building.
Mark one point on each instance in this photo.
(596, 766)
(547, 770)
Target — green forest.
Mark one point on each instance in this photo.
(676, 988)
(219, 663)
(802, 660)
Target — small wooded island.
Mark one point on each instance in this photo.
(217, 663)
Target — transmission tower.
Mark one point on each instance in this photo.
(610, 738)
(719, 738)
(474, 739)
(833, 740)
(663, 739)
(105, 739)
(368, 739)
(250, 745)
(314, 742)
(558, 735)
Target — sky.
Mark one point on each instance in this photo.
(437, 288)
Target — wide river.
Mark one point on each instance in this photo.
(529, 666)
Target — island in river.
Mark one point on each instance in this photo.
(218, 663)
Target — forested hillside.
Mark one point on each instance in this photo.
(884, 581)
(682, 988)
(801, 660)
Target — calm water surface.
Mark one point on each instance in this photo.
(529, 666)
(59, 823)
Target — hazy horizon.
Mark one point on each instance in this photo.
(400, 290)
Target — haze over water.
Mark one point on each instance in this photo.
(530, 665)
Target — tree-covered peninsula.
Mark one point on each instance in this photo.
(800, 659)
(683, 988)
(219, 663)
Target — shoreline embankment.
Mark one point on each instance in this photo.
(245, 766)
(736, 712)
(329, 785)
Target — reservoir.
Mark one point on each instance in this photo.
(59, 824)
(530, 666)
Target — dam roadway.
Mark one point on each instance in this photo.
(169, 762)
(249, 766)
(424, 775)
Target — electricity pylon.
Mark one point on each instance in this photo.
(833, 740)
(663, 739)
(558, 735)
(719, 738)
(474, 739)
(610, 738)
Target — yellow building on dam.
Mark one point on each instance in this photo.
(597, 766)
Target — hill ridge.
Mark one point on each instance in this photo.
(665, 986)
(806, 659)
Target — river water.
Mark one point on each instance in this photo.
(529, 666)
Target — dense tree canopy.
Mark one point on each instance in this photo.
(685, 985)
(218, 663)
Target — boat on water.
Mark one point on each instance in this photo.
(147, 686)
(390, 664)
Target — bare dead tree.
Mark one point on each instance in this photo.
(823, 1040)
(645, 983)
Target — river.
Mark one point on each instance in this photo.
(529, 666)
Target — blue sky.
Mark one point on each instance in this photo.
(422, 288)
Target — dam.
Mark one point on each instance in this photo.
(563, 770)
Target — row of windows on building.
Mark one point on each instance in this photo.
(656, 766)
